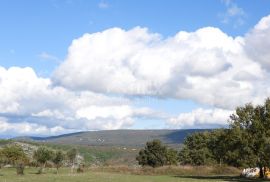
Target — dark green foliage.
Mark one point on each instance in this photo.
(251, 126)
(246, 143)
(2, 160)
(196, 150)
(58, 159)
(71, 154)
(217, 145)
(42, 155)
(172, 156)
(15, 155)
(155, 154)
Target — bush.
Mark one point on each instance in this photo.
(155, 154)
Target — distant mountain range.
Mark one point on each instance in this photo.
(129, 138)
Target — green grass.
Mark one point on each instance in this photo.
(9, 175)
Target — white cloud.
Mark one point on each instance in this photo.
(94, 112)
(199, 118)
(37, 105)
(26, 128)
(258, 43)
(207, 66)
(86, 92)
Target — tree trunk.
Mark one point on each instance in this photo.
(41, 168)
(261, 172)
(72, 167)
(220, 161)
(20, 169)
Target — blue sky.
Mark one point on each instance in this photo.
(40, 35)
(29, 28)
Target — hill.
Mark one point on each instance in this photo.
(129, 138)
(110, 147)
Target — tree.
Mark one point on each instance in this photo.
(58, 158)
(155, 154)
(252, 126)
(246, 143)
(1, 158)
(196, 150)
(71, 154)
(42, 155)
(217, 146)
(15, 156)
(171, 156)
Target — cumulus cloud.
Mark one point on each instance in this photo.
(87, 91)
(37, 105)
(201, 118)
(207, 66)
(258, 42)
(25, 128)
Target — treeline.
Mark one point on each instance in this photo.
(15, 156)
(245, 143)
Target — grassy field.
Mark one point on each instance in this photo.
(9, 175)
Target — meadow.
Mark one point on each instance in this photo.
(102, 175)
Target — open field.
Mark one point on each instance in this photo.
(9, 175)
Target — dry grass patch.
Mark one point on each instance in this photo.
(170, 170)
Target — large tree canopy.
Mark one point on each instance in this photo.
(246, 143)
(15, 155)
(42, 155)
(251, 127)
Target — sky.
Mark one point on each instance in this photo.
(77, 65)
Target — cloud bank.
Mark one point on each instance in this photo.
(206, 66)
(88, 90)
(30, 104)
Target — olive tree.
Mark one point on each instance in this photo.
(71, 155)
(58, 159)
(42, 155)
(15, 156)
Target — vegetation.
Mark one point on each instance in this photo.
(14, 155)
(71, 154)
(251, 125)
(42, 155)
(246, 143)
(58, 159)
(171, 157)
(92, 154)
(155, 154)
(116, 138)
